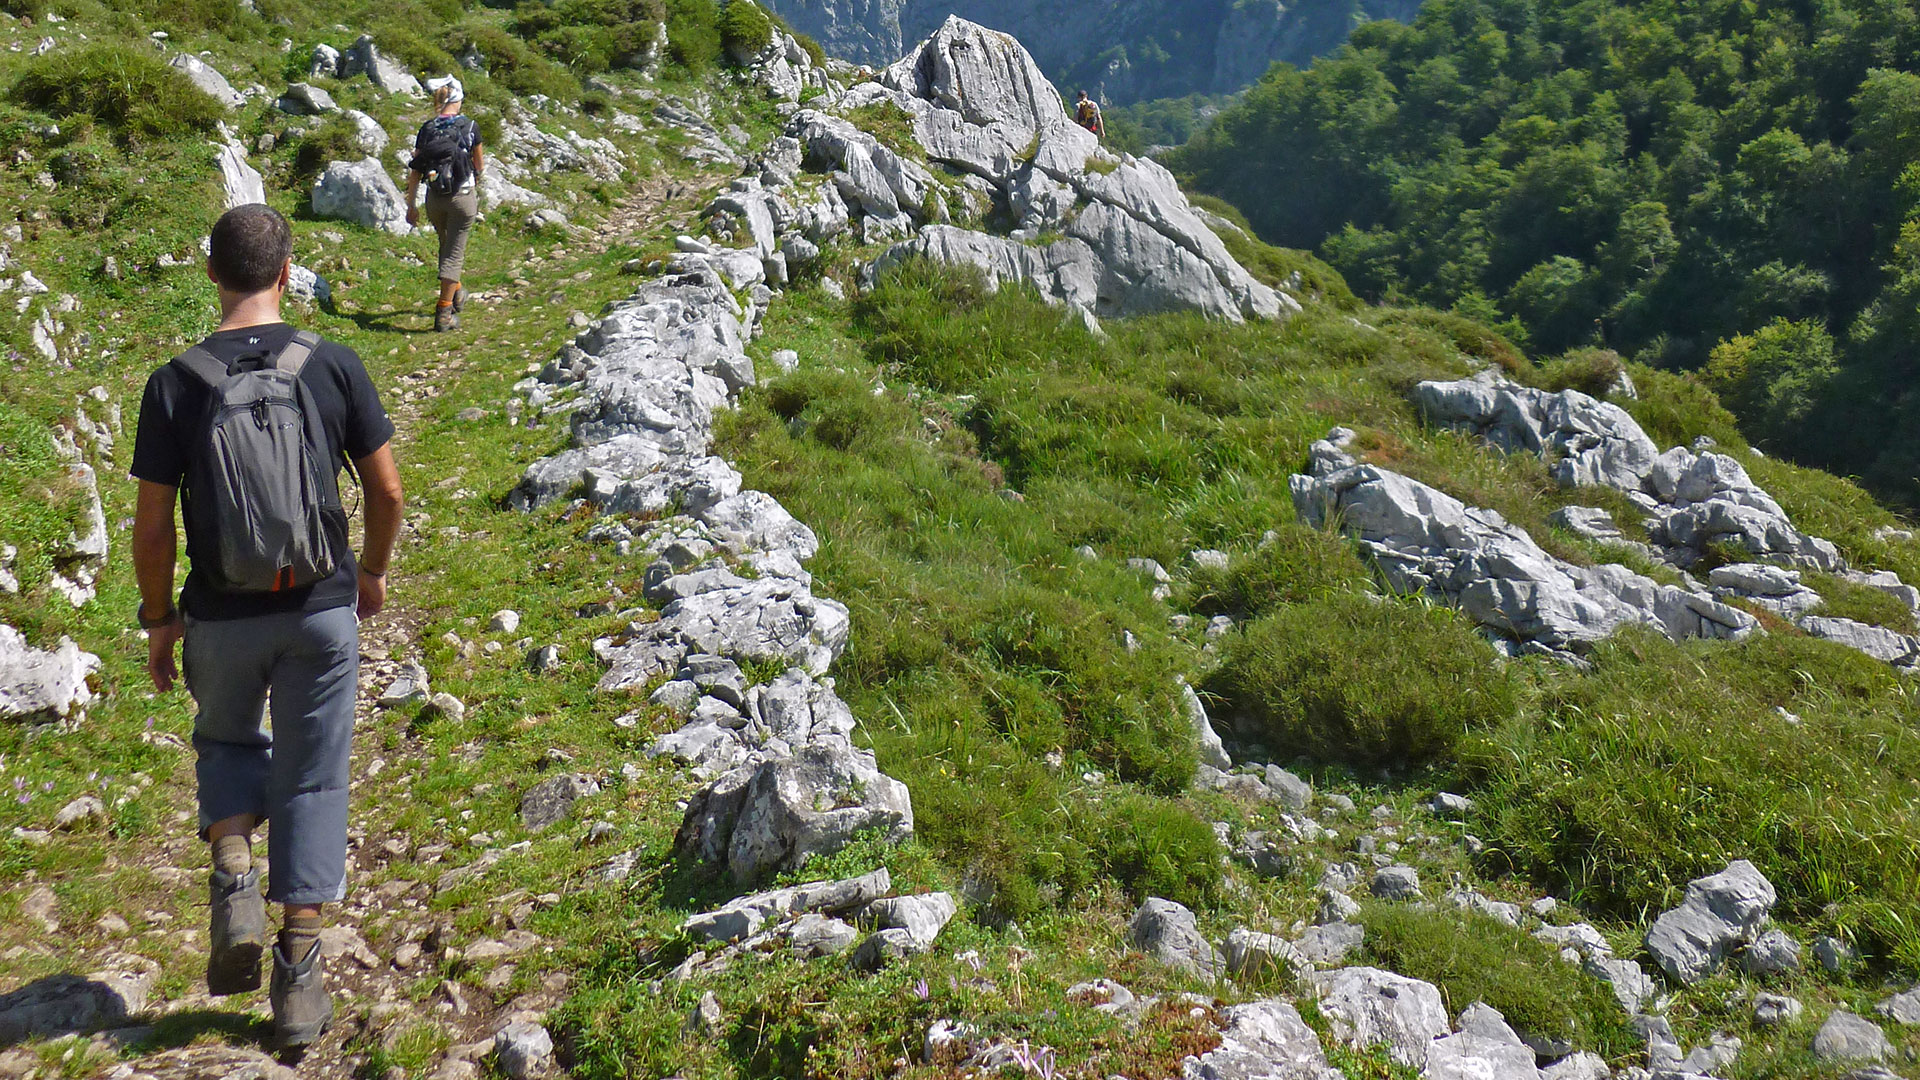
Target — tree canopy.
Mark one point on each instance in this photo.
(1658, 177)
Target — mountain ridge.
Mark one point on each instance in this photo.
(1125, 51)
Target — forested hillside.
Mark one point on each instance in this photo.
(1718, 186)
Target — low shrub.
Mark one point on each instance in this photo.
(1356, 682)
(591, 35)
(513, 65)
(129, 89)
(745, 30)
(1675, 409)
(405, 43)
(1471, 957)
(192, 16)
(891, 125)
(1299, 565)
(693, 34)
(1844, 599)
(336, 139)
(1276, 266)
(1472, 338)
(1591, 371)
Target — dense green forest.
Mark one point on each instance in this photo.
(1723, 186)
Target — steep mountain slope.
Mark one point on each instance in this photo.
(1124, 50)
(920, 624)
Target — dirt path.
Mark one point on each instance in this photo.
(372, 990)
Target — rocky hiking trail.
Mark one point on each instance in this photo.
(372, 988)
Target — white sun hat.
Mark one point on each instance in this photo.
(459, 92)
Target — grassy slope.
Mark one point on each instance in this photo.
(982, 645)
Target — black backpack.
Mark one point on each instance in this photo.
(265, 499)
(442, 153)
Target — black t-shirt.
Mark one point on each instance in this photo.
(173, 410)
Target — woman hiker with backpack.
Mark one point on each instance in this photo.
(446, 154)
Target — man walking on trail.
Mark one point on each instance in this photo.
(1086, 113)
(248, 430)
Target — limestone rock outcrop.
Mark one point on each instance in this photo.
(1719, 913)
(39, 686)
(360, 192)
(1126, 241)
(639, 389)
(1694, 501)
(1425, 541)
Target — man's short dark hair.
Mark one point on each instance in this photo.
(248, 247)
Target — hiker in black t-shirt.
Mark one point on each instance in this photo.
(446, 155)
(295, 647)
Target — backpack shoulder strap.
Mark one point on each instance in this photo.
(203, 365)
(293, 356)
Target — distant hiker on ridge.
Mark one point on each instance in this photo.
(248, 430)
(1086, 113)
(446, 154)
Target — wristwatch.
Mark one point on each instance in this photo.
(140, 616)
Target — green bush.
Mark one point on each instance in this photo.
(1676, 408)
(1590, 371)
(891, 125)
(192, 16)
(1774, 378)
(1473, 338)
(514, 65)
(745, 30)
(1364, 683)
(1843, 599)
(1471, 957)
(405, 43)
(1276, 266)
(590, 35)
(336, 139)
(125, 87)
(1300, 565)
(693, 33)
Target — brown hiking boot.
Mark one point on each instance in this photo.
(238, 932)
(445, 319)
(302, 1008)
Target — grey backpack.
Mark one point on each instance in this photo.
(264, 498)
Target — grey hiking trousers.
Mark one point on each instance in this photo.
(294, 779)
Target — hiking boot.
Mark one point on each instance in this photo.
(445, 319)
(238, 932)
(459, 299)
(302, 1008)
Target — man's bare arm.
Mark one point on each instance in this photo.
(156, 549)
(380, 480)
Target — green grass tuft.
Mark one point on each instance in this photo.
(1362, 681)
(1473, 958)
(124, 87)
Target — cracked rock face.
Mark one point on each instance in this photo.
(1370, 1007)
(1719, 913)
(776, 814)
(1692, 502)
(1130, 243)
(1262, 1040)
(1423, 540)
(40, 686)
